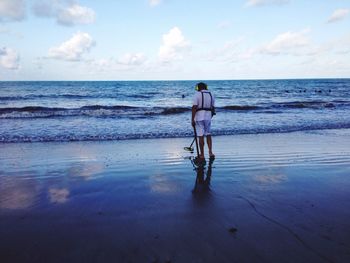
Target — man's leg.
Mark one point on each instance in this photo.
(201, 146)
(200, 135)
(208, 135)
(210, 145)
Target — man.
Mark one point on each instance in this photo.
(202, 111)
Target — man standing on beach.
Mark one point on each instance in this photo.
(202, 111)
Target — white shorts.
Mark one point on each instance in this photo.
(203, 127)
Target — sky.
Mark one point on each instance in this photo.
(174, 39)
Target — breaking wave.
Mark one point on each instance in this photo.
(117, 111)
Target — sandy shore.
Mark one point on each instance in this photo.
(266, 198)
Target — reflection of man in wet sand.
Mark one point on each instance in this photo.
(202, 184)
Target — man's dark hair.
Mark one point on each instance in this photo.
(202, 85)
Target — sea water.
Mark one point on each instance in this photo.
(36, 111)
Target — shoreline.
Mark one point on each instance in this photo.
(279, 197)
(178, 137)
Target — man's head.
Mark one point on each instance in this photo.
(201, 86)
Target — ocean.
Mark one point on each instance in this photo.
(44, 111)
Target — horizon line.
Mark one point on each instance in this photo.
(150, 80)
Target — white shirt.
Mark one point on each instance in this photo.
(197, 100)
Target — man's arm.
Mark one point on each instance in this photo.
(194, 109)
(213, 112)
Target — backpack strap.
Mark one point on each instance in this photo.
(211, 103)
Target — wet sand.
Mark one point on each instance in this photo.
(266, 198)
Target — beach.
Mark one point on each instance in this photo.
(100, 103)
(275, 197)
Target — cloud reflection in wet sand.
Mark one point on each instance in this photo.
(163, 184)
(16, 193)
(87, 170)
(59, 196)
(271, 178)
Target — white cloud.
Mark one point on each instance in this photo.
(265, 2)
(340, 46)
(12, 10)
(286, 43)
(229, 52)
(124, 63)
(74, 48)
(9, 58)
(154, 2)
(174, 46)
(338, 15)
(76, 14)
(132, 59)
(100, 64)
(66, 13)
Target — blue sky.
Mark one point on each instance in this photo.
(168, 39)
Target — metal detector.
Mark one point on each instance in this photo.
(195, 138)
(190, 148)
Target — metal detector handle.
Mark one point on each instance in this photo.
(192, 142)
(195, 138)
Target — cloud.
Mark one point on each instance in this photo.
(286, 43)
(125, 62)
(100, 65)
(132, 59)
(340, 45)
(66, 13)
(12, 10)
(338, 15)
(74, 48)
(9, 58)
(76, 14)
(174, 46)
(250, 3)
(229, 52)
(154, 2)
